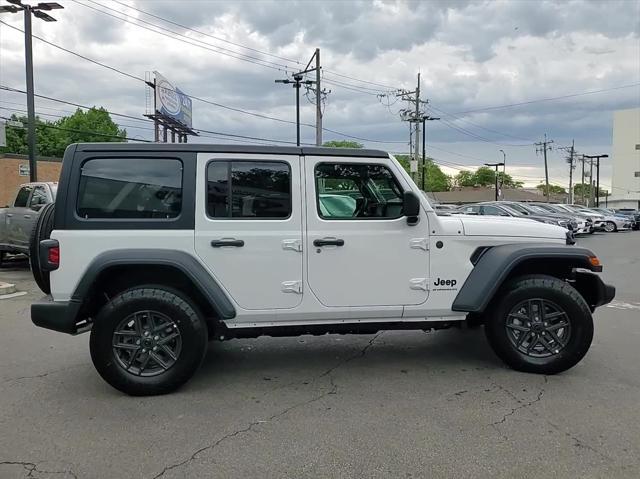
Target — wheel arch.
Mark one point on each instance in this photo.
(493, 266)
(115, 271)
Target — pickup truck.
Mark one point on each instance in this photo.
(17, 221)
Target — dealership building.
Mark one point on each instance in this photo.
(625, 156)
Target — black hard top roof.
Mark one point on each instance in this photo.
(216, 148)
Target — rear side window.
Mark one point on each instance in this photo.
(248, 189)
(23, 196)
(135, 188)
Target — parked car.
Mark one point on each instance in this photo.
(634, 223)
(612, 222)
(528, 210)
(156, 248)
(631, 212)
(596, 218)
(584, 223)
(17, 221)
(498, 208)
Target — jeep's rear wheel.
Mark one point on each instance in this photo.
(148, 340)
(541, 325)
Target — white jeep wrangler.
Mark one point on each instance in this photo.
(158, 248)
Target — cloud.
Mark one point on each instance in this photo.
(471, 54)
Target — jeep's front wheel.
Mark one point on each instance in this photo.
(148, 340)
(540, 325)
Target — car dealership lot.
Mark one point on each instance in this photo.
(397, 404)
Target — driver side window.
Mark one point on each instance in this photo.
(357, 191)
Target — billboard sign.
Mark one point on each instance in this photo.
(171, 102)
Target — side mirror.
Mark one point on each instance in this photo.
(411, 207)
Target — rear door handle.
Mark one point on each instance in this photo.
(328, 242)
(27, 216)
(227, 242)
(9, 215)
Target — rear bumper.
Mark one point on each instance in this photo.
(58, 316)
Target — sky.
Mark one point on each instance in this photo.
(484, 65)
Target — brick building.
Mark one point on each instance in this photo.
(14, 171)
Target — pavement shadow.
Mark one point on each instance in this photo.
(443, 351)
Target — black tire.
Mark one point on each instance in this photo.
(175, 306)
(554, 292)
(41, 231)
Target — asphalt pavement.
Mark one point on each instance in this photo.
(393, 405)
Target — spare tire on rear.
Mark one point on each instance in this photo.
(41, 231)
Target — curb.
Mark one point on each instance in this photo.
(7, 288)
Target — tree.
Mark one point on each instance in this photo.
(52, 138)
(553, 189)
(436, 179)
(486, 176)
(580, 188)
(464, 178)
(342, 144)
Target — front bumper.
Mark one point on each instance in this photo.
(58, 316)
(595, 291)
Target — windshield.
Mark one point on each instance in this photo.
(511, 210)
(519, 208)
(538, 209)
(548, 208)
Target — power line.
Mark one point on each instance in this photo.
(203, 100)
(183, 38)
(511, 105)
(208, 35)
(476, 125)
(15, 90)
(262, 52)
(464, 131)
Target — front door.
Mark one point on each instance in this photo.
(248, 231)
(361, 251)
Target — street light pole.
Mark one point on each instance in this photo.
(424, 152)
(504, 168)
(597, 158)
(38, 11)
(297, 81)
(496, 175)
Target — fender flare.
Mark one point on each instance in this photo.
(494, 264)
(180, 260)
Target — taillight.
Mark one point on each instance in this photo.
(54, 255)
(49, 254)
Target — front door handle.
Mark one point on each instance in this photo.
(328, 242)
(28, 217)
(227, 242)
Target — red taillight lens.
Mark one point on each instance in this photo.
(54, 255)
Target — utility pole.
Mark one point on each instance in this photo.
(38, 12)
(496, 165)
(544, 146)
(597, 158)
(417, 122)
(318, 101)
(571, 163)
(414, 116)
(297, 82)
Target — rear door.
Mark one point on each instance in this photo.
(249, 227)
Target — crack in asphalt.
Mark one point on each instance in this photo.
(36, 376)
(523, 405)
(32, 469)
(333, 390)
